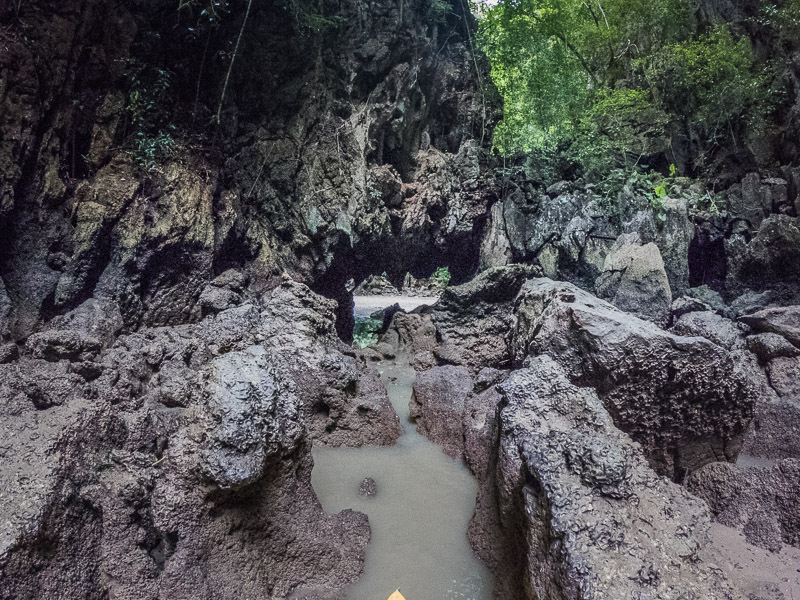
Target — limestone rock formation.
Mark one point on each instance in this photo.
(634, 279)
(476, 318)
(129, 469)
(580, 508)
(685, 399)
(761, 502)
(437, 405)
(784, 321)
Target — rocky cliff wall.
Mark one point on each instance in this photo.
(338, 153)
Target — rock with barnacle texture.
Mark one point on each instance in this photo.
(573, 510)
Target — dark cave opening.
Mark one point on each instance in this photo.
(395, 257)
(707, 260)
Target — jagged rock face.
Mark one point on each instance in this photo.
(570, 233)
(132, 468)
(761, 502)
(634, 279)
(575, 495)
(474, 320)
(685, 399)
(768, 261)
(437, 405)
(341, 154)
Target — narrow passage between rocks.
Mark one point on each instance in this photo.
(419, 514)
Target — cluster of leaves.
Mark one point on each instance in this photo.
(442, 276)
(365, 331)
(655, 188)
(608, 81)
(312, 16)
(148, 105)
(436, 11)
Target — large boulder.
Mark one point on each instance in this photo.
(711, 326)
(247, 417)
(768, 261)
(438, 403)
(634, 279)
(685, 399)
(130, 471)
(575, 511)
(343, 402)
(476, 317)
(784, 321)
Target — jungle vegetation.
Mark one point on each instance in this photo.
(609, 84)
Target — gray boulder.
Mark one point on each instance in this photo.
(711, 326)
(687, 304)
(784, 321)
(634, 279)
(248, 418)
(768, 261)
(438, 403)
(685, 399)
(760, 502)
(784, 377)
(575, 509)
(475, 318)
(767, 346)
(343, 401)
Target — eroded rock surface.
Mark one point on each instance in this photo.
(130, 470)
(579, 506)
(760, 502)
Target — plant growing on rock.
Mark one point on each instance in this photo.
(442, 276)
(147, 107)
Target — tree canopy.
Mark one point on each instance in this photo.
(613, 82)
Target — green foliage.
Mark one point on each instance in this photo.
(365, 331)
(437, 11)
(442, 276)
(608, 82)
(655, 188)
(151, 150)
(206, 12)
(711, 80)
(148, 105)
(783, 18)
(311, 16)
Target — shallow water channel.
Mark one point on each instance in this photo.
(419, 516)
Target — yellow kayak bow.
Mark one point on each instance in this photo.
(397, 595)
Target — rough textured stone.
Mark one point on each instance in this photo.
(775, 432)
(768, 261)
(475, 318)
(437, 404)
(368, 487)
(760, 502)
(784, 377)
(685, 399)
(771, 345)
(687, 304)
(575, 508)
(634, 279)
(173, 444)
(344, 401)
(719, 330)
(784, 321)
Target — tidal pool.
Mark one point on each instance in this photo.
(419, 516)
